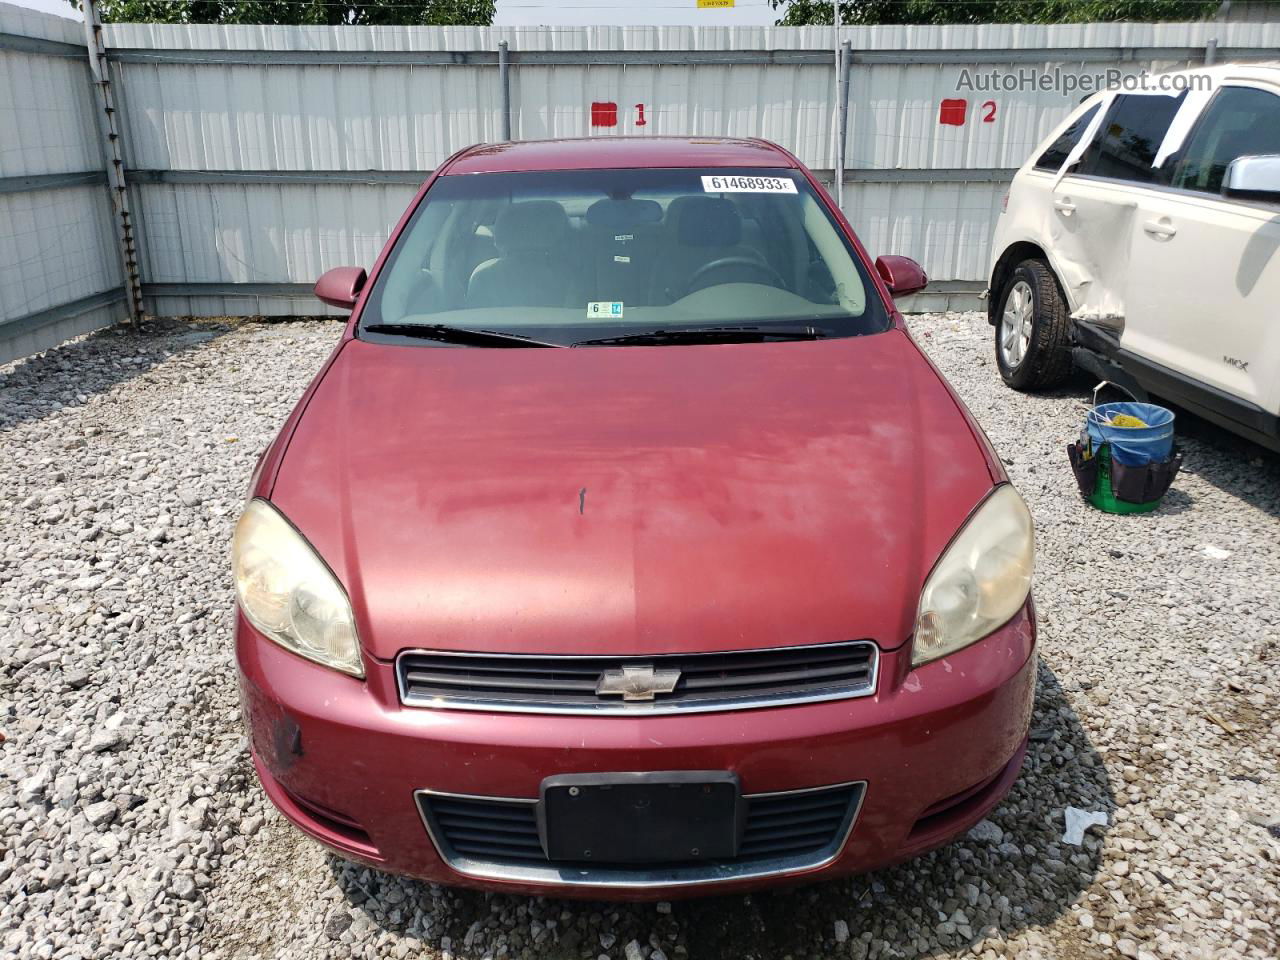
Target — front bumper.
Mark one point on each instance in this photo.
(936, 747)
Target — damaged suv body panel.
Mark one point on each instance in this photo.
(1167, 267)
(1080, 227)
(1091, 244)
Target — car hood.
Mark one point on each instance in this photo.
(631, 500)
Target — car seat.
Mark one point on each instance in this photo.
(700, 231)
(533, 241)
(624, 239)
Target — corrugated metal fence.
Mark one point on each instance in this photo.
(258, 157)
(60, 267)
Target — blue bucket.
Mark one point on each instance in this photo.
(1133, 446)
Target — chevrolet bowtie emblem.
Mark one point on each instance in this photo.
(636, 682)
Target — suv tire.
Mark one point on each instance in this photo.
(1033, 328)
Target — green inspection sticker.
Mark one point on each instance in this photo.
(605, 308)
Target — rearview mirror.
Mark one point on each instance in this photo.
(341, 286)
(901, 275)
(1253, 178)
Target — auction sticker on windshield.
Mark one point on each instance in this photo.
(748, 185)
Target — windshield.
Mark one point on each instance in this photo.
(565, 257)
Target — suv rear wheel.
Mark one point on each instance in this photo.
(1033, 343)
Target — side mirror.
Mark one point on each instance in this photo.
(901, 275)
(1253, 178)
(341, 286)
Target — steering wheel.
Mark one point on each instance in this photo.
(724, 263)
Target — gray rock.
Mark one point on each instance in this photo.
(183, 886)
(337, 924)
(101, 813)
(104, 740)
(984, 831)
(250, 825)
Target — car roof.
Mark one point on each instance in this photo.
(1267, 71)
(1222, 72)
(605, 153)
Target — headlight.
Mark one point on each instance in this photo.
(981, 581)
(288, 593)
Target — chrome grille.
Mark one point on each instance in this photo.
(737, 680)
(498, 838)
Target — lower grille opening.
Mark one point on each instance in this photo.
(783, 831)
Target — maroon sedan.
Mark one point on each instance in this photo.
(627, 546)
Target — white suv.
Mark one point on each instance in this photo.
(1142, 243)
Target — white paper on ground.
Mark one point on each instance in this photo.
(1078, 821)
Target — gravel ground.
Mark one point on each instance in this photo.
(130, 823)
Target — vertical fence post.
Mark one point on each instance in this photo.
(1211, 52)
(842, 141)
(109, 128)
(838, 173)
(504, 87)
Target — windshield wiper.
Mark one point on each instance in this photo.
(449, 334)
(703, 335)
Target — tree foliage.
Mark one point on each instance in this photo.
(871, 12)
(441, 13)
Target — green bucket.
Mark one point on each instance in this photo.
(1104, 498)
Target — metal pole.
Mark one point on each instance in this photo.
(109, 128)
(840, 108)
(504, 85)
(842, 141)
(1211, 52)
